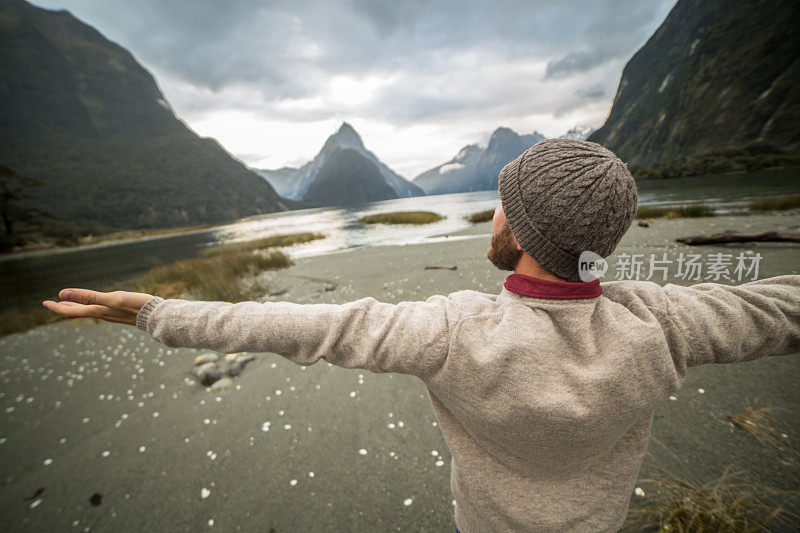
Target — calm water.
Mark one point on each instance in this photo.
(26, 280)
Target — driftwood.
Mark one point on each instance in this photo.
(440, 267)
(732, 236)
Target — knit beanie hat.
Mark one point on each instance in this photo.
(562, 197)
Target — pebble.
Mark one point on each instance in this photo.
(362, 451)
(35, 503)
(47, 462)
(210, 522)
(673, 398)
(701, 391)
(639, 491)
(206, 358)
(407, 502)
(222, 383)
(142, 449)
(204, 493)
(106, 453)
(293, 482)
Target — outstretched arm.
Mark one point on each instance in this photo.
(410, 337)
(716, 323)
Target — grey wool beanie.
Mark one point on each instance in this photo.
(562, 197)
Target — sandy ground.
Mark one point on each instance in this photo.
(91, 408)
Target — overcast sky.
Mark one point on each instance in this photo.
(417, 79)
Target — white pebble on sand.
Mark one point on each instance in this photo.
(390, 426)
(35, 503)
(106, 453)
(142, 449)
(204, 493)
(701, 391)
(278, 392)
(311, 474)
(353, 394)
(210, 522)
(434, 453)
(639, 491)
(293, 482)
(439, 463)
(362, 451)
(407, 502)
(47, 462)
(673, 398)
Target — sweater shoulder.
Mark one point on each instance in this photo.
(469, 303)
(635, 293)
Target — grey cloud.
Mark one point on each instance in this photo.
(592, 92)
(575, 62)
(281, 50)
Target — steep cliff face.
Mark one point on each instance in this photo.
(78, 113)
(475, 168)
(716, 74)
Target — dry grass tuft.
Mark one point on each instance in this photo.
(483, 216)
(729, 503)
(756, 421)
(726, 504)
(258, 244)
(219, 277)
(402, 217)
(775, 204)
(684, 211)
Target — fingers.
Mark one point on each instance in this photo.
(122, 300)
(74, 310)
(86, 296)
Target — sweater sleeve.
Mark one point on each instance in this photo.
(716, 323)
(409, 337)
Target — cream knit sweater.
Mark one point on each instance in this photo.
(545, 401)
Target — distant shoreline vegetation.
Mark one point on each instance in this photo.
(402, 217)
(481, 216)
(754, 156)
(227, 272)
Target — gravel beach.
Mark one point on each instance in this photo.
(102, 428)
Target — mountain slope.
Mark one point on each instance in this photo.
(715, 75)
(296, 183)
(348, 178)
(80, 114)
(474, 168)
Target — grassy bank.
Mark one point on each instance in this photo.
(775, 204)
(269, 242)
(220, 273)
(402, 217)
(220, 277)
(685, 211)
(482, 216)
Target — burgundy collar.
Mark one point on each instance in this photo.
(553, 290)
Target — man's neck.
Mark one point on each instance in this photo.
(528, 266)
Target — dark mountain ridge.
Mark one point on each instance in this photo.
(80, 114)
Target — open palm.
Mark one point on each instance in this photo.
(117, 306)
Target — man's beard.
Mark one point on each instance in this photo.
(503, 251)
